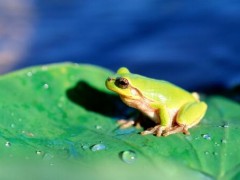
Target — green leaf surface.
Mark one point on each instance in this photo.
(57, 113)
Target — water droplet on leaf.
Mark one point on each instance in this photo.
(196, 138)
(98, 147)
(224, 141)
(128, 156)
(8, 144)
(29, 74)
(85, 147)
(206, 153)
(45, 86)
(98, 127)
(39, 152)
(189, 138)
(206, 136)
(224, 126)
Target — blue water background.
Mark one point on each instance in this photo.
(195, 44)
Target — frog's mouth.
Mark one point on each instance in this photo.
(110, 79)
(109, 82)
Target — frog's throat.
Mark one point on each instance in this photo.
(137, 100)
(134, 93)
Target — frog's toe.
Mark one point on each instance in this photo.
(159, 131)
(146, 132)
(125, 123)
(156, 130)
(185, 131)
(176, 129)
(150, 130)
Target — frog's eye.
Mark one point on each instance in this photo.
(122, 83)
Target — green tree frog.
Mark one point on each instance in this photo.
(172, 108)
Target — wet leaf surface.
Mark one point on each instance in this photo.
(63, 112)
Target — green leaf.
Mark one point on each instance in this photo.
(57, 113)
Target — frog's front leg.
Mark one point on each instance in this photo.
(164, 122)
(125, 123)
(188, 116)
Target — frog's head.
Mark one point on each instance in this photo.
(121, 83)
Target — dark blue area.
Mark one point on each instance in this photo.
(194, 44)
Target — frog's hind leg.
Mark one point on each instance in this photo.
(188, 116)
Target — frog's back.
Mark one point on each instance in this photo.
(162, 91)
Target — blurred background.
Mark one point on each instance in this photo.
(194, 44)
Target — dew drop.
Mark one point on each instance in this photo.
(29, 74)
(62, 98)
(51, 164)
(39, 152)
(12, 125)
(61, 101)
(217, 144)
(98, 127)
(189, 138)
(45, 86)
(224, 141)
(206, 153)
(7, 144)
(215, 153)
(206, 136)
(85, 147)
(128, 156)
(98, 147)
(224, 126)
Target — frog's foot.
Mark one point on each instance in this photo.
(125, 123)
(156, 130)
(176, 129)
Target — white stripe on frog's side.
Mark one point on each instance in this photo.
(173, 114)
